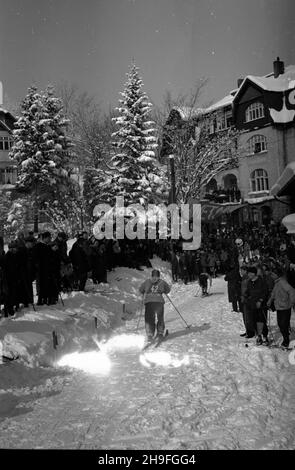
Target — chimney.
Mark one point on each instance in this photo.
(278, 67)
(240, 80)
(1, 94)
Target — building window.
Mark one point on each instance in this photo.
(256, 144)
(5, 142)
(8, 175)
(223, 120)
(259, 181)
(254, 111)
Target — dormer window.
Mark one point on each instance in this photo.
(257, 144)
(254, 111)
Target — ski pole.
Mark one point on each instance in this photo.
(187, 325)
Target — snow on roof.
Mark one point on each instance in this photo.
(4, 111)
(188, 112)
(284, 179)
(226, 101)
(283, 82)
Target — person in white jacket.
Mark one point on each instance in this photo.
(283, 298)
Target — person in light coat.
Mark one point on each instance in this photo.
(283, 297)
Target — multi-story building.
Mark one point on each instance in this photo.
(263, 110)
(8, 172)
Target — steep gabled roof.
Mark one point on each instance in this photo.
(283, 82)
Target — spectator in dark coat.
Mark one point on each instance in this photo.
(61, 241)
(99, 264)
(14, 286)
(255, 301)
(2, 253)
(244, 283)
(174, 266)
(42, 254)
(233, 279)
(54, 278)
(80, 263)
(183, 268)
(28, 271)
(291, 259)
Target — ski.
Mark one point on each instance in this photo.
(148, 345)
(283, 348)
(269, 345)
(159, 341)
(155, 342)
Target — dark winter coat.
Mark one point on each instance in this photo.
(244, 283)
(79, 259)
(2, 276)
(54, 277)
(15, 287)
(233, 279)
(98, 265)
(42, 255)
(63, 249)
(256, 291)
(27, 273)
(291, 272)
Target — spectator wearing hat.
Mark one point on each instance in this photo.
(255, 302)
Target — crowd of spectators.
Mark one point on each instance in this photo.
(47, 263)
(46, 266)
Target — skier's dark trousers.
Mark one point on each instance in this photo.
(153, 290)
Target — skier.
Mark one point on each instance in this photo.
(204, 277)
(153, 290)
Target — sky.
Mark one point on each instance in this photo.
(91, 44)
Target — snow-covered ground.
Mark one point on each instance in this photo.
(202, 389)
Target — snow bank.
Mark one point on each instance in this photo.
(83, 318)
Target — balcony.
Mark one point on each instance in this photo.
(221, 195)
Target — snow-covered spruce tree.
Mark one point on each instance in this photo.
(5, 206)
(135, 173)
(41, 148)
